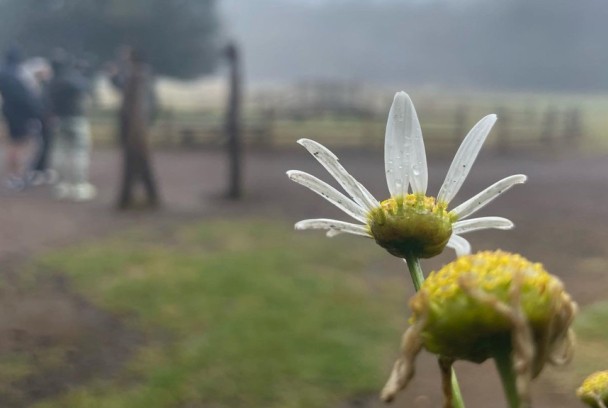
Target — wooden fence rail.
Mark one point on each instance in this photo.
(443, 128)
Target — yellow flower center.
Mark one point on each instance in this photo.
(414, 225)
(489, 271)
(594, 386)
(460, 326)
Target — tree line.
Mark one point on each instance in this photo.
(177, 37)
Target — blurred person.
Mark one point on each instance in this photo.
(133, 77)
(120, 73)
(67, 96)
(37, 73)
(20, 109)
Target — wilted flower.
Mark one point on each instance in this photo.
(489, 305)
(408, 224)
(594, 390)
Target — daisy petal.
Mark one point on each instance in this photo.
(464, 158)
(403, 147)
(460, 245)
(419, 173)
(329, 193)
(482, 199)
(474, 224)
(359, 193)
(332, 233)
(335, 227)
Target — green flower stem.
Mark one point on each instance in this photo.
(413, 264)
(507, 375)
(457, 400)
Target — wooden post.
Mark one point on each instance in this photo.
(233, 123)
(502, 145)
(367, 128)
(169, 128)
(267, 131)
(460, 122)
(549, 127)
(573, 127)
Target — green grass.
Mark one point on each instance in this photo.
(240, 314)
(591, 352)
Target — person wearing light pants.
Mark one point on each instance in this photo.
(72, 148)
(71, 157)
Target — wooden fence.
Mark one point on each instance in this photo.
(551, 129)
(345, 117)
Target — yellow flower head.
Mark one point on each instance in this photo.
(461, 325)
(594, 390)
(411, 225)
(489, 305)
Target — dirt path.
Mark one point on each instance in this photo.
(560, 215)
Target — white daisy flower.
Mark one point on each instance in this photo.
(408, 224)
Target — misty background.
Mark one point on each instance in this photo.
(200, 293)
(500, 44)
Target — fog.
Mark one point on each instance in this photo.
(503, 44)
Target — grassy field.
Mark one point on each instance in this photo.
(240, 313)
(236, 314)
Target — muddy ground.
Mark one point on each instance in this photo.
(560, 215)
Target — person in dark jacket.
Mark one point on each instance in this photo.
(67, 97)
(37, 75)
(20, 108)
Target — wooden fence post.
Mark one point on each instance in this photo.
(573, 127)
(547, 135)
(503, 143)
(233, 123)
(460, 124)
(169, 127)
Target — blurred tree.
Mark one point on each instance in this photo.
(178, 37)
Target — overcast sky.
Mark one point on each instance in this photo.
(556, 44)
